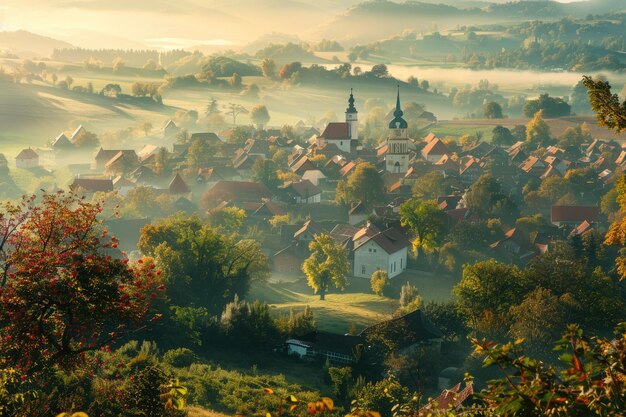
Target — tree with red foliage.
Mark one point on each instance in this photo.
(63, 290)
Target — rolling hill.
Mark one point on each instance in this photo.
(29, 45)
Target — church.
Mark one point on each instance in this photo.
(344, 135)
(398, 143)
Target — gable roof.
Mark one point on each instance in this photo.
(405, 330)
(308, 226)
(27, 154)
(337, 131)
(322, 342)
(435, 147)
(304, 188)
(92, 184)
(62, 141)
(178, 185)
(575, 213)
(238, 190)
(390, 240)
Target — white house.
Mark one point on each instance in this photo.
(373, 250)
(27, 159)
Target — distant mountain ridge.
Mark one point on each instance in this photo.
(27, 44)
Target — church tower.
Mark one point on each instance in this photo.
(352, 118)
(397, 156)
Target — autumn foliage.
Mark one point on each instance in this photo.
(64, 287)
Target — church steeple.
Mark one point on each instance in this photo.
(352, 118)
(351, 108)
(398, 122)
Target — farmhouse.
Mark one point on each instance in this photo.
(27, 159)
(375, 250)
(318, 344)
(572, 216)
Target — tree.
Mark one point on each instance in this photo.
(265, 171)
(86, 139)
(538, 320)
(146, 127)
(235, 110)
(538, 132)
(327, 265)
(111, 90)
(260, 116)
(410, 299)
(203, 267)
(486, 292)
(61, 291)
(485, 198)
(550, 106)
(118, 64)
(268, 68)
(69, 81)
(235, 80)
(432, 185)
(426, 221)
(365, 184)
(379, 71)
(424, 85)
(228, 219)
(379, 281)
(493, 110)
(609, 111)
(502, 136)
(198, 155)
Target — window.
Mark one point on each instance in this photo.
(374, 250)
(341, 143)
(363, 269)
(401, 263)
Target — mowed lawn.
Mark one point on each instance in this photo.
(356, 307)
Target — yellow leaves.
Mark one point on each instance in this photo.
(292, 399)
(76, 414)
(268, 391)
(519, 341)
(323, 404)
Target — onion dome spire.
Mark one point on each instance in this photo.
(351, 108)
(398, 122)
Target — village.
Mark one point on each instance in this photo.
(206, 172)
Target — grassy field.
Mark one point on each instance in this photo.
(356, 306)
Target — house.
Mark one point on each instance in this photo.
(303, 192)
(61, 142)
(581, 229)
(122, 185)
(123, 162)
(314, 175)
(237, 192)
(307, 232)
(358, 213)
(77, 132)
(333, 347)
(434, 150)
(375, 250)
(289, 260)
(178, 186)
(27, 159)
(170, 129)
(92, 185)
(302, 165)
(144, 175)
(571, 216)
(517, 243)
(470, 170)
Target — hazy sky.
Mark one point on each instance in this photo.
(168, 23)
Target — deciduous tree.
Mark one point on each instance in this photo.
(327, 265)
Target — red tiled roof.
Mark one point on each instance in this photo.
(336, 130)
(575, 213)
(435, 147)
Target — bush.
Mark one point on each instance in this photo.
(180, 358)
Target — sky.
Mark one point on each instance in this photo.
(169, 23)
